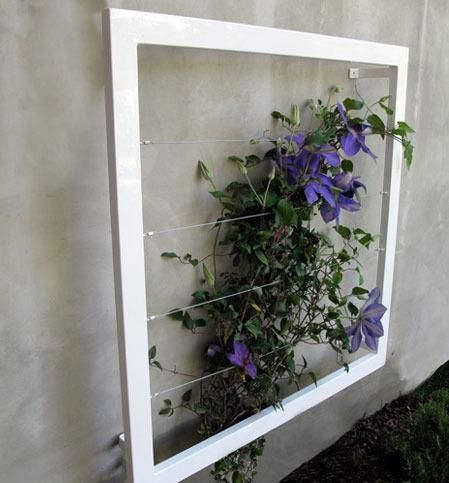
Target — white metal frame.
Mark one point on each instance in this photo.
(123, 31)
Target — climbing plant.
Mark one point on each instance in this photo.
(287, 281)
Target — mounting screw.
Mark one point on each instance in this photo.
(353, 73)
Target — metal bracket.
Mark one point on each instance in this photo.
(369, 72)
(121, 441)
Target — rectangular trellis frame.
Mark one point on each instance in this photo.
(123, 31)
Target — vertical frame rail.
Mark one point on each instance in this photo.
(123, 31)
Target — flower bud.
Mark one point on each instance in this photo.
(242, 168)
(272, 174)
(295, 116)
(205, 172)
(210, 279)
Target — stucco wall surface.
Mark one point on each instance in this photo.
(60, 408)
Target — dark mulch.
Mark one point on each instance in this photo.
(366, 453)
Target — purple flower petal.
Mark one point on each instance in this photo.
(356, 339)
(373, 297)
(343, 181)
(348, 204)
(357, 184)
(371, 342)
(351, 330)
(329, 213)
(310, 192)
(235, 359)
(297, 138)
(365, 148)
(374, 311)
(251, 370)
(341, 110)
(240, 349)
(330, 154)
(350, 144)
(373, 328)
(326, 193)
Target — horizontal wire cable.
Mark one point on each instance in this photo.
(147, 142)
(208, 223)
(194, 306)
(227, 220)
(262, 139)
(207, 376)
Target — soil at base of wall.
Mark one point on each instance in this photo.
(366, 453)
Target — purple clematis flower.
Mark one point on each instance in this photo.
(297, 138)
(368, 323)
(319, 186)
(308, 160)
(342, 202)
(289, 165)
(354, 140)
(243, 358)
(348, 186)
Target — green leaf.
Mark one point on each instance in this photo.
(363, 237)
(152, 352)
(188, 322)
(312, 376)
(361, 279)
(358, 291)
(235, 159)
(210, 279)
(352, 309)
(387, 109)
(337, 277)
(352, 104)
(237, 477)
(377, 124)
(166, 412)
(326, 239)
(318, 138)
(408, 152)
(252, 160)
(278, 115)
(344, 232)
(187, 396)
(157, 364)
(169, 255)
(286, 324)
(285, 213)
(217, 194)
(253, 327)
(272, 199)
(176, 314)
(189, 259)
(262, 257)
(347, 166)
(404, 127)
(280, 308)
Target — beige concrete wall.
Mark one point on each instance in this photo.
(60, 396)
